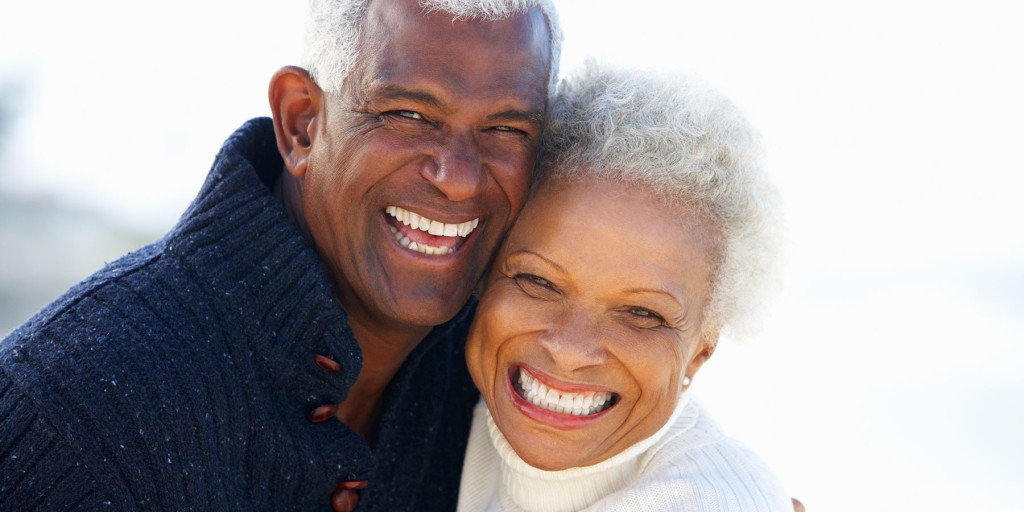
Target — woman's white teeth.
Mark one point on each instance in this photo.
(433, 227)
(576, 404)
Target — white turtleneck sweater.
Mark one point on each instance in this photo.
(688, 465)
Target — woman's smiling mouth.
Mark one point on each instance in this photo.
(585, 403)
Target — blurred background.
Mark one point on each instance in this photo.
(890, 375)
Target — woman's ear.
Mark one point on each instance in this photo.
(708, 342)
(296, 102)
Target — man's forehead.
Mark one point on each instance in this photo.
(460, 12)
(406, 21)
(427, 57)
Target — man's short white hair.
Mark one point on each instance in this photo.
(333, 28)
(691, 146)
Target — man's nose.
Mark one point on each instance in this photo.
(456, 168)
(575, 341)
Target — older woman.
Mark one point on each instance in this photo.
(648, 232)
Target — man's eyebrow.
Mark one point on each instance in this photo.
(395, 91)
(528, 116)
(391, 92)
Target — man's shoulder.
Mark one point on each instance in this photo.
(74, 303)
(122, 320)
(103, 304)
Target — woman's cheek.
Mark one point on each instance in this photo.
(488, 332)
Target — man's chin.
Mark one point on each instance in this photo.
(428, 312)
(416, 290)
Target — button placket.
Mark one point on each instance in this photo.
(346, 495)
(324, 412)
(327, 363)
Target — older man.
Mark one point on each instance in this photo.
(215, 370)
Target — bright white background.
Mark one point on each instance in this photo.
(890, 375)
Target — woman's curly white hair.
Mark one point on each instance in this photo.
(691, 146)
(333, 28)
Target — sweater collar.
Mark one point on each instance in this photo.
(530, 488)
(237, 237)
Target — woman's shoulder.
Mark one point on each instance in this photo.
(697, 467)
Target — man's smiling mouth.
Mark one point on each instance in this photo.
(585, 403)
(426, 236)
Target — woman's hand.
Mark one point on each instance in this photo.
(797, 506)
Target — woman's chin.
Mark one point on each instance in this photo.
(547, 448)
(547, 454)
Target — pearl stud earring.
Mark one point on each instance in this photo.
(686, 381)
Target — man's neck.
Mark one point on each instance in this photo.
(288, 190)
(383, 354)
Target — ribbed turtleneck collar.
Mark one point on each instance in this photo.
(526, 487)
(237, 236)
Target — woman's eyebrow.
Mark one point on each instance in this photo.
(538, 255)
(656, 291)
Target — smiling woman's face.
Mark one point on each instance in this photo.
(590, 320)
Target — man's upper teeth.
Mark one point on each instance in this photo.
(433, 227)
(576, 404)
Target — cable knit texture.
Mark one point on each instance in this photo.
(180, 377)
(688, 465)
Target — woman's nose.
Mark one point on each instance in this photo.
(575, 340)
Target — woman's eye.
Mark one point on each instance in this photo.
(533, 279)
(647, 316)
(534, 285)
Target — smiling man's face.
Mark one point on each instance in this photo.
(420, 164)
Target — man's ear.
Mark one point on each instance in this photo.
(296, 102)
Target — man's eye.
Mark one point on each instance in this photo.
(507, 129)
(408, 114)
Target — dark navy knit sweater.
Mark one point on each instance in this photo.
(180, 377)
